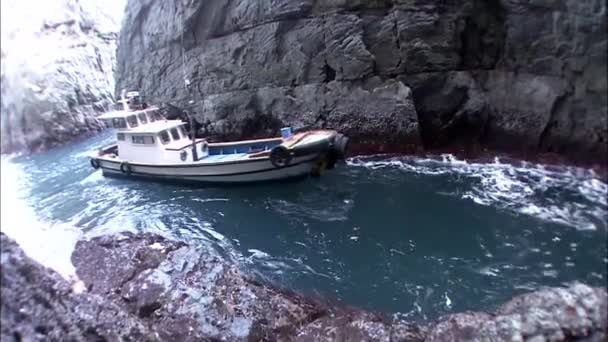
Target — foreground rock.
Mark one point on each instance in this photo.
(190, 293)
(514, 75)
(57, 70)
(39, 305)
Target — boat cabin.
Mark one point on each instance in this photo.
(145, 136)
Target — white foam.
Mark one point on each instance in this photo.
(489, 271)
(92, 178)
(571, 196)
(256, 253)
(448, 301)
(215, 234)
(49, 243)
(205, 200)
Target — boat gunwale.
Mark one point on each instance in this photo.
(190, 144)
(309, 160)
(198, 163)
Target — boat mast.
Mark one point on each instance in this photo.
(123, 99)
(188, 90)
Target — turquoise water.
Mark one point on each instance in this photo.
(411, 236)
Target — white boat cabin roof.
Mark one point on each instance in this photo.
(156, 127)
(125, 113)
(140, 121)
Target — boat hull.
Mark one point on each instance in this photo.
(239, 172)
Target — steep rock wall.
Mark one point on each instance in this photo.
(58, 61)
(506, 74)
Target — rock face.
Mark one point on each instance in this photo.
(507, 74)
(57, 70)
(39, 305)
(192, 294)
(189, 293)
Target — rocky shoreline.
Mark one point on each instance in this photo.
(147, 288)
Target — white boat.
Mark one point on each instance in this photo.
(150, 146)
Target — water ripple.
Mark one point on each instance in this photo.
(567, 195)
(418, 236)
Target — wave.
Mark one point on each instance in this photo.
(571, 196)
(49, 243)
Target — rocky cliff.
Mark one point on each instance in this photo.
(58, 60)
(147, 288)
(39, 305)
(517, 75)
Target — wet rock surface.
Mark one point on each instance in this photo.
(189, 293)
(39, 305)
(511, 75)
(57, 71)
(148, 288)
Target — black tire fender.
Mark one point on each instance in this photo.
(94, 163)
(280, 156)
(125, 168)
(341, 143)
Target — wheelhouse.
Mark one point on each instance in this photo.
(124, 120)
(145, 136)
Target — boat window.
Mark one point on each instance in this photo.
(164, 137)
(151, 116)
(184, 133)
(174, 134)
(142, 139)
(132, 119)
(119, 123)
(142, 118)
(158, 116)
(120, 136)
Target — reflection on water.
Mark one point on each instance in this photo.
(418, 237)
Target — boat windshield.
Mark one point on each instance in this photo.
(183, 130)
(164, 137)
(151, 116)
(142, 139)
(142, 118)
(119, 123)
(174, 134)
(132, 119)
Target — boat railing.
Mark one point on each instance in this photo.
(185, 146)
(109, 149)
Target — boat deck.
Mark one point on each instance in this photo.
(224, 157)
